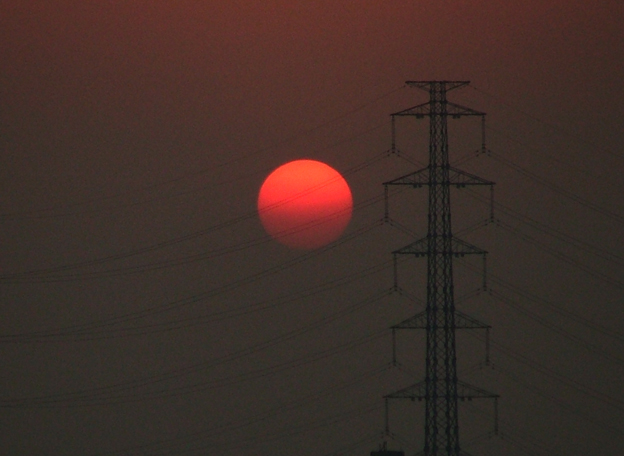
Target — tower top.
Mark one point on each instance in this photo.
(429, 85)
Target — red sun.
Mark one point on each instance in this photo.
(305, 204)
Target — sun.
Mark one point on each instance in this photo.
(305, 204)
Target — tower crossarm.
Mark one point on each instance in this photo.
(456, 111)
(421, 177)
(418, 111)
(426, 85)
(416, 391)
(423, 110)
(461, 178)
(462, 321)
(416, 179)
(459, 248)
(465, 391)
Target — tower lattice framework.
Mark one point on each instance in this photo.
(441, 390)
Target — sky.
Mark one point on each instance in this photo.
(146, 312)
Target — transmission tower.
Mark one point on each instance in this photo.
(441, 390)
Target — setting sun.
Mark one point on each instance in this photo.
(305, 204)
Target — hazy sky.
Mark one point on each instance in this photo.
(144, 310)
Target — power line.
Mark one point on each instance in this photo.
(557, 189)
(550, 125)
(109, 393)
(255, 418)
(41, 213)
(32, 275)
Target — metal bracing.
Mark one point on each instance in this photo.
(418, 391)
(457, 177)
(441, 390)
(462, 321)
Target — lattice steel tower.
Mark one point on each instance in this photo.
(441, 390)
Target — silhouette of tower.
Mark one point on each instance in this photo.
(441, 390)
